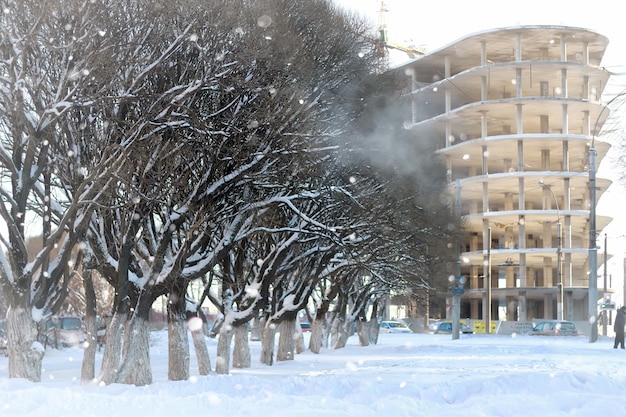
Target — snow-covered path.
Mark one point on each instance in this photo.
(404, 375)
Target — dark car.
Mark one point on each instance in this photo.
(60, 332)
(554, 328)
(445, 327)
(306, 327)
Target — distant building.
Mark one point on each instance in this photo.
(513, 112)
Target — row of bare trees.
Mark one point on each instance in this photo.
(257, 144)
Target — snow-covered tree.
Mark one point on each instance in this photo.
(47, 88)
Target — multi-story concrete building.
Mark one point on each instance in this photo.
(514, 112)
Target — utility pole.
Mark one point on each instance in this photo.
(593, 249)
(457, 290)
(605, 312)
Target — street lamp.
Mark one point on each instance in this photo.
(559, 249)
(593, 250)
(458, 284)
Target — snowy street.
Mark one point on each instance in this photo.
(404, 375)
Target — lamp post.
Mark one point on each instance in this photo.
(593, 250)
(457, 281)
(559, 250)
(458, 284)
(604, 295)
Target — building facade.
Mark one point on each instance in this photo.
(514, 112)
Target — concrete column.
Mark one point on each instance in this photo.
(483, 88)
(521, 201)
(545, 160)
(485, 160)
(521, 303)
(448, 96)
(485, 197)
(483, 125)
(569, 306)
(511, 304)
(507, 164)
(475, 309)
(544, 123)
(414, 103)
(568, 273)
(521, 220)
(509, 241)
(473, 246)
(509, 274)
(523, 281)
(585, 53)
(563, 48)
(486, 298)
(547, 233)
(522, 232)
(547, 306)
(483, 53)
(474, 270)
(508, 201)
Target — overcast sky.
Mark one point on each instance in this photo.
(435, 24)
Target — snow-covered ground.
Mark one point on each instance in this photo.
(404, 375)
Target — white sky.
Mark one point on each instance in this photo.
(435, 24)
(412, 375)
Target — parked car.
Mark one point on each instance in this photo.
(65, 331)
(394, 327)
(445, 327)
(554, 328)
(306, 327)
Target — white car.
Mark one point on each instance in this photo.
(394, 327)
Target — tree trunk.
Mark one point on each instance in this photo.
(88, 369)
(374, 330)
(268, 338)
(113, 348)
(362, 330)
(286, 341)
(255, 330)
(136, 368)
(318, 330)
(25, 352)
(202, 353)
(178, 349)
(222, 363)
(299, 340)
(177, 343)
(340, 334)
(241, 351)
